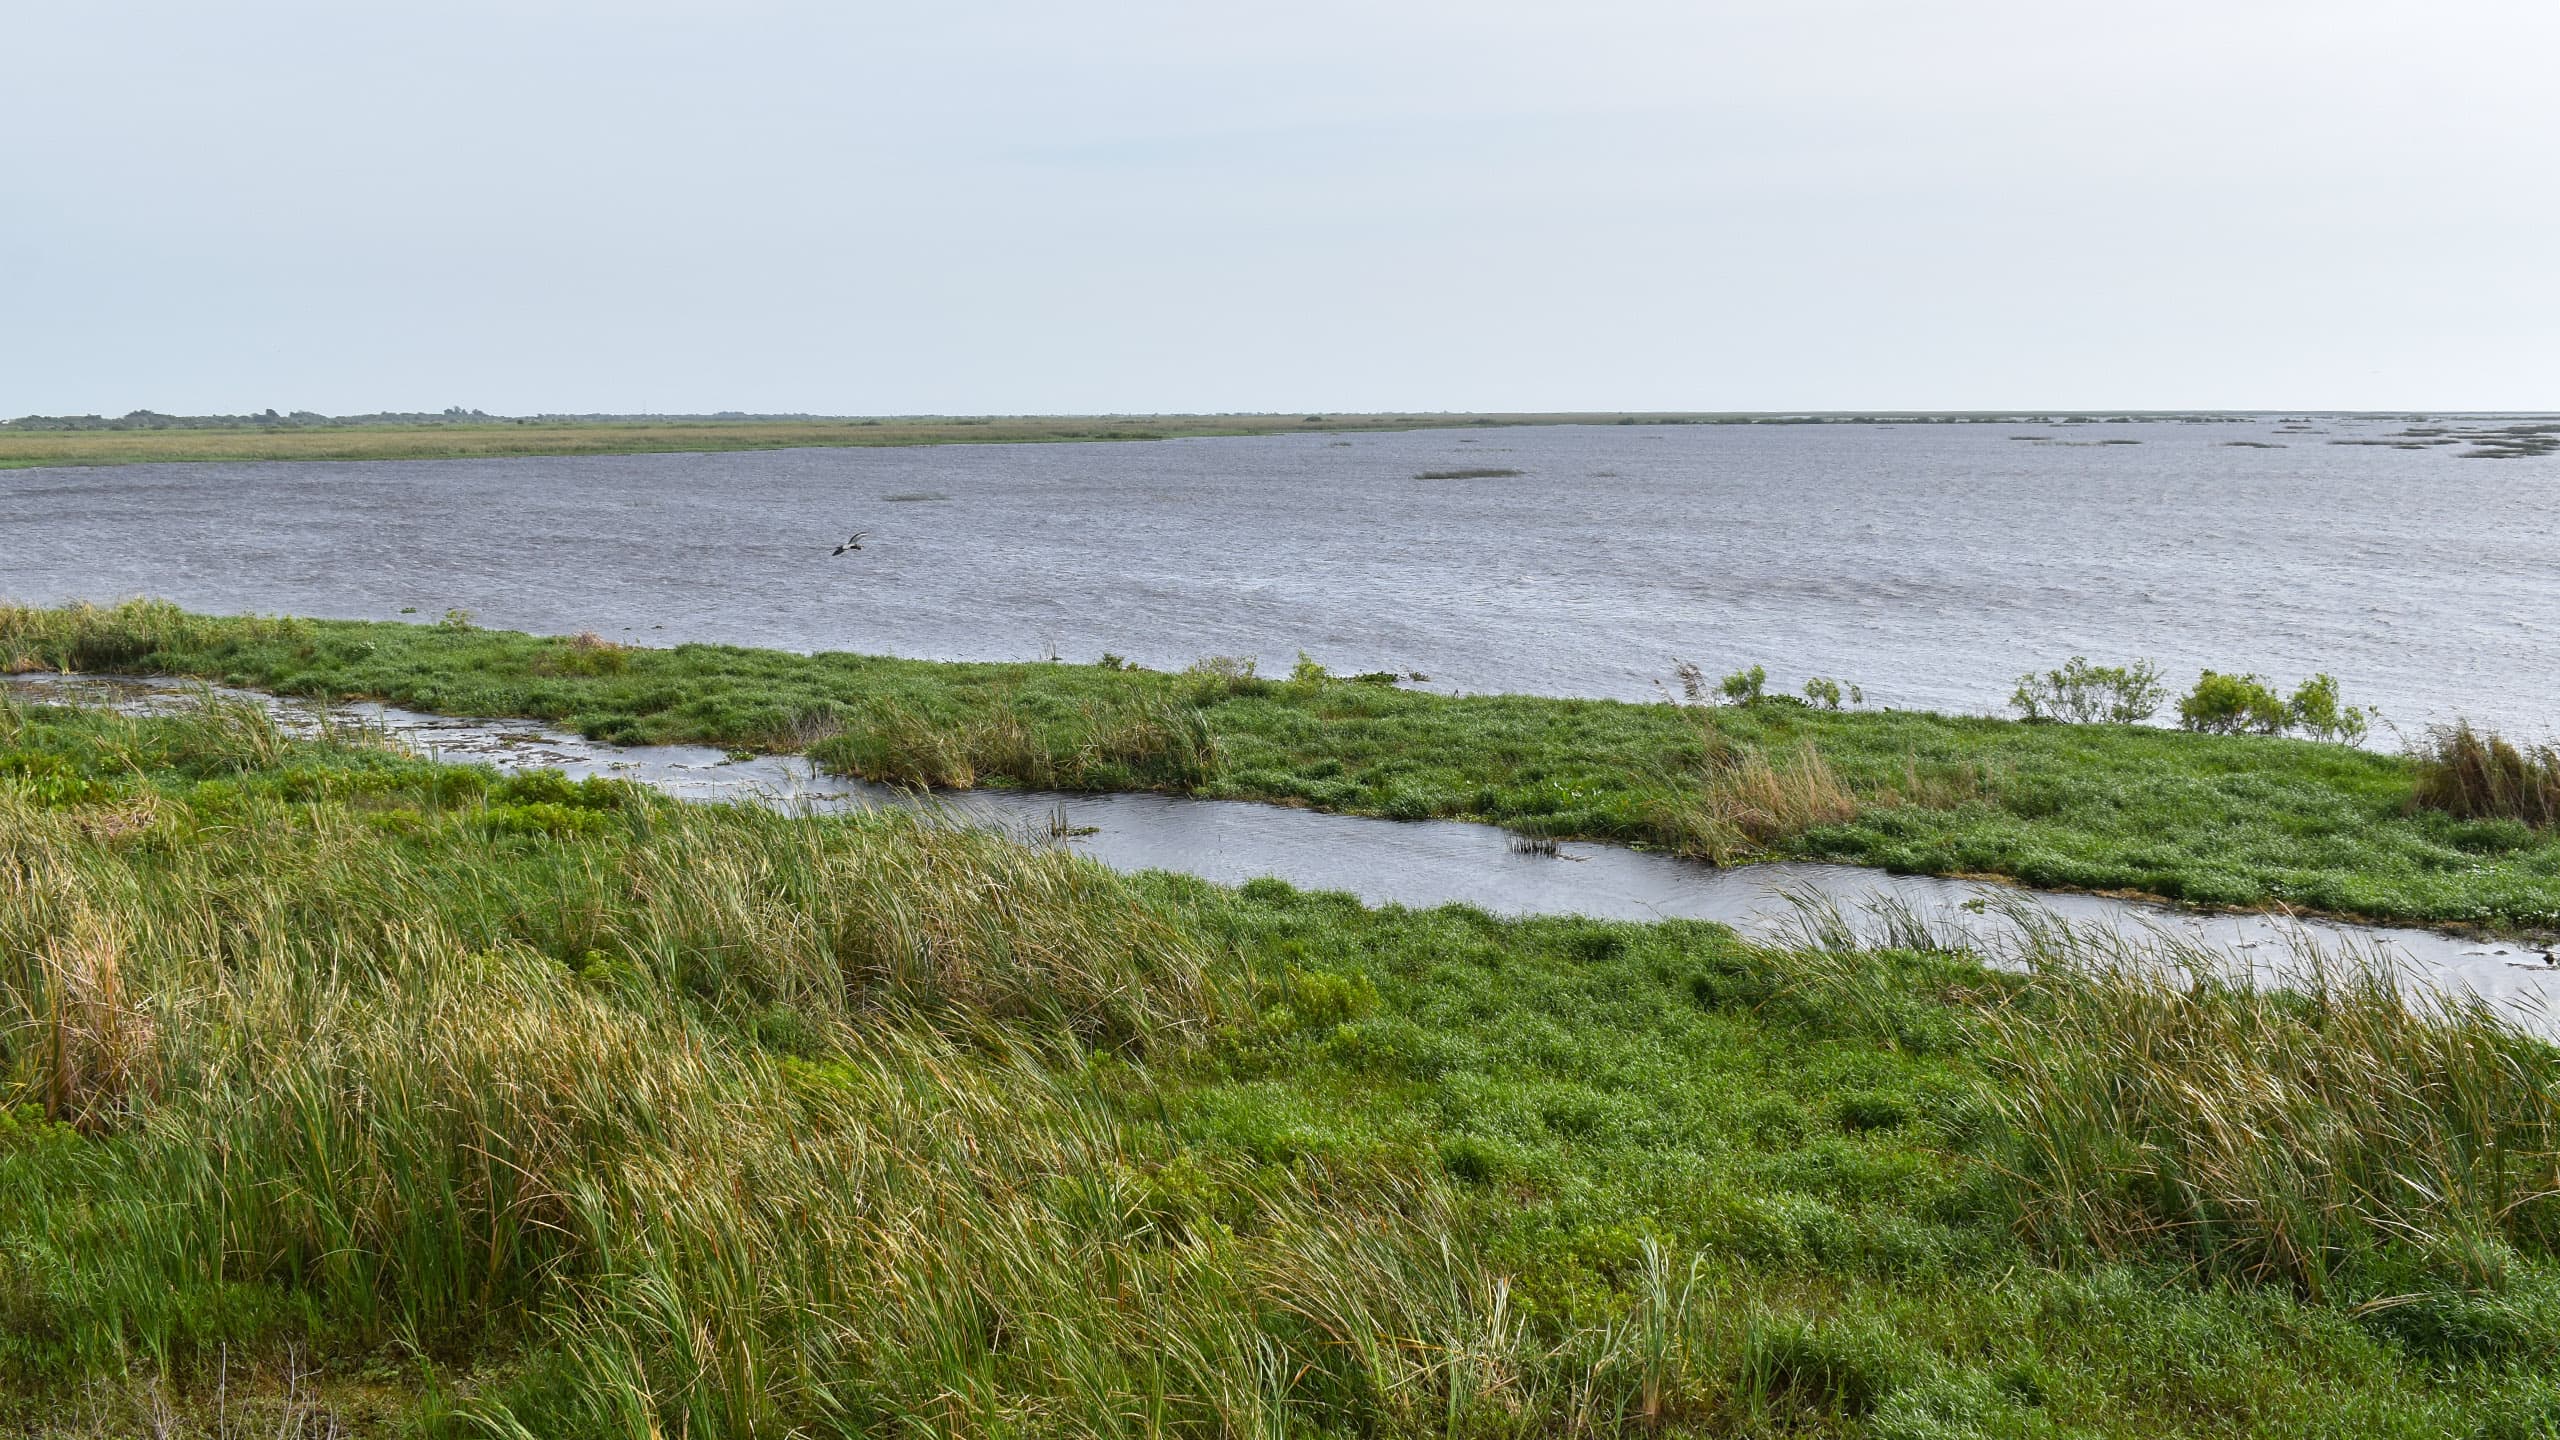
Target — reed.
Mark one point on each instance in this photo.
(1144, 742)
(2476, 775)
(2320, 1120)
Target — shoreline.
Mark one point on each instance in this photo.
(2209, 823)
(90, 441)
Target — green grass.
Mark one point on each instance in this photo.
(352, 1090)
(2216, 820)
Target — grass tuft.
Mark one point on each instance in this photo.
(2484, 776)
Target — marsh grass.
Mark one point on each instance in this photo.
(586, 653)
(2321, 1120)
(1140, 743)
(1751, 802)
(2342, 1132)
(580, 1112)
(398, 438)
(2484, 776)
(735, 1123)
(2224, 820)
(1747, 803)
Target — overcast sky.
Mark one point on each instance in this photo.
(958, 208)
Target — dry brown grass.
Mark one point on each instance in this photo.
(1747, 802)
(95, 1042)
(2484, 776)
(1140, 744)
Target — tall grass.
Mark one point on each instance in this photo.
(2320, 1121)
(717, 1122)
(1745, 803)
(2484, 776)
(734, 1123)
(1140, 743)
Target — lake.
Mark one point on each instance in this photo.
(1927, 563)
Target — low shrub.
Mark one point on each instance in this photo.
(2080, 693)
(2232, 705)
(1826, 693)
(2314, 710)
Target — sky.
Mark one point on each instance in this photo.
(646, 205)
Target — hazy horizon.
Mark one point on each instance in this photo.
(1841, 206)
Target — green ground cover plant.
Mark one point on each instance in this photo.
(347, 1093)
(2212, 819)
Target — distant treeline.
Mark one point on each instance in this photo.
(458, 415)
(311, 419)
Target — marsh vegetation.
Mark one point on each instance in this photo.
(351, 1093)
(2238, 819)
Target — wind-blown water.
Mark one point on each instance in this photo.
(1929, 564)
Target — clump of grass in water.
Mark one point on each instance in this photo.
(2484, 776)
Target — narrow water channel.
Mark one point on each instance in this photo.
(1419, 863)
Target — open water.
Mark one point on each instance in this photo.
(1928, 564)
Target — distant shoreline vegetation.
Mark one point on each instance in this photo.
(459, 432)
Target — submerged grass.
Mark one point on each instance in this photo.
(348, 1093)
(2217, 820)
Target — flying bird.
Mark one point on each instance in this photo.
(853, 544)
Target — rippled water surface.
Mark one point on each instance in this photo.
(1928, 563)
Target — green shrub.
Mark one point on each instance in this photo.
(2081, 693)
(1826, 693)
(1219, 677)
(2314, 710)
(2232, 705)
(1745, 686)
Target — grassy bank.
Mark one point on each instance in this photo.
(2227, 820)
(322, 439)
(347, 1093)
